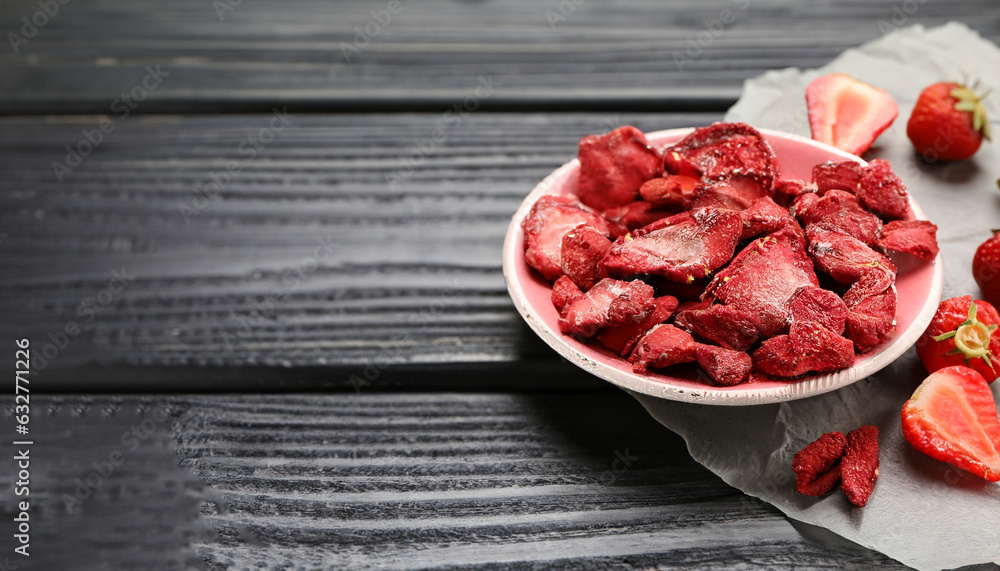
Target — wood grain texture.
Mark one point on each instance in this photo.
(503, 481)
(430, 54)
(412, 276)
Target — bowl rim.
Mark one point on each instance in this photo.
(740, 395)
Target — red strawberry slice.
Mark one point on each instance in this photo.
(551, 218)
(840, 211)
(764, 217)
(622, 339)
(635, 215)
(952, 417)
(844, 176)
(721, 150)
(682, 248)
(663, 346)
(841, 256)
(726, 367)
(883, 192)
(582, 250)
(817, 466)
(859, 467)
(736, 192)
(613, 166)
(610, 303)
(564, 292)
(811, 303)
(728, 326)
(670, 190)
(808, 346)
(914, 237)
(847, 113)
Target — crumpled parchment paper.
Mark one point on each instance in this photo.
(923, 513)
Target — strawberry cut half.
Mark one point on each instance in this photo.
(847, 113)
(952, 417)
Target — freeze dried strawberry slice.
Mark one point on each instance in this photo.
(726, 325)
(725, 366)
(844, 176)
(551, 218)
(840, 211)
(914, 237)
(817, 466)
(764, 217)
(613, 166)
(808, 347)
(737, 192)
(882, 192)
(811, 303)
(564, 292)
(722, 150)
(871, 309)
(662, 346)
(952, 417)
(786, 190)
(635, 215)
(859, 467)
(670, 190)
(610, 303)
(762, 278)
(842, 257)
(622, 339)
(583, 248)
(682, 248)
(847, 113)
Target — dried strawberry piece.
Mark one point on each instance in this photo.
(564, 292)
(583, 248)
(551, 218)
(762, 278)
(871, 305)
(882, 192)
(635, 215)
(840, 211)
(737, 192)
(915, 237)
(817, 466)
(662, 346)
(837, 176)
(764, 217)
(682, 248)
(613, 166)
(811, 303)
(722, 150)
(859, 466)
(610, 303)
(725, 325)
(842, 257)
(807, 347)
(786, 190)
(726, 367)
(622, 339)
(670, 190)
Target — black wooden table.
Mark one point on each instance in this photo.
(255, 247)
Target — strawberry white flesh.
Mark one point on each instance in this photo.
(952, 417)
(847, 113)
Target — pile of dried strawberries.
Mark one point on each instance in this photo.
(703, 257)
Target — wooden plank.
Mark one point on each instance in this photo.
(640, 55)
(412, 278)
(392, 481)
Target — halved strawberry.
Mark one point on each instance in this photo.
(847, 113)
(952, 417)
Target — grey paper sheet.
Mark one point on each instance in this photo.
(923, 513)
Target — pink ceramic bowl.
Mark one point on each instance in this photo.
(919, 291)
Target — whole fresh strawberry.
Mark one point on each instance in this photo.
(986, 267)
(952, 417)
(962, 333)
(948, 122)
